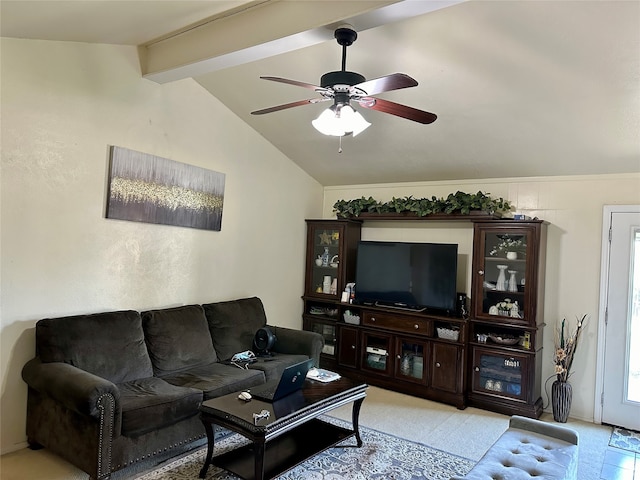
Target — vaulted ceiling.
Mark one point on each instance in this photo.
(521, 88)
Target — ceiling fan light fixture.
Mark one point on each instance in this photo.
(343, 87)
(339, 120)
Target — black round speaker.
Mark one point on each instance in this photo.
(263, 341)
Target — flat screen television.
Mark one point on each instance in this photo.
(415, 276)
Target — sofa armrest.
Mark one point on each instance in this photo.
(543, 428)
(300, 342)
(70, 386)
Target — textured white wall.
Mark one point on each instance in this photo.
(63, 104)
(572, 205)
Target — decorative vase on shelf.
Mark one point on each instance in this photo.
(561, 395)
(326, 284)
(501, 284)
(515, 310)
(325, 257)
(513, 285)
(405, 366)
(512, 255)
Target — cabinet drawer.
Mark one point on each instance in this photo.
(400, 323)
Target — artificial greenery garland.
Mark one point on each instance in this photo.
(455, 203)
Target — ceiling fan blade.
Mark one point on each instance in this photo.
(398, 110)
(294, 82)
(289, 105)
(395, 81)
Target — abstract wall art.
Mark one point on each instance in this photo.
(146, 188)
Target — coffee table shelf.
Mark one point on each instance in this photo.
(284, 452)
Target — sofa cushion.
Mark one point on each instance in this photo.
(234, 323)
(177, 338)
(151, 403)
(217, 379)
(110, 345)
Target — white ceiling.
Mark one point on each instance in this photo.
(521, 88)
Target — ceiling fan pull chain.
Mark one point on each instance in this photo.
(340, 144)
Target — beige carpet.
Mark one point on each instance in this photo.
(468, 433)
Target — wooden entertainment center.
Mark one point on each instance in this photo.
(490, 359)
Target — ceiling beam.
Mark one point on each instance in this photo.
(266, 28)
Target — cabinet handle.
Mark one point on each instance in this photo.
(398, 357)
(480, 272)
(373, 319)
(438, 364)
(353, 347)
(416, 326)
(477, 369)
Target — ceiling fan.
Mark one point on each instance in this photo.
(344, 87)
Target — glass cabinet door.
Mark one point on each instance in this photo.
(410, 360)
(377, 353)
(328, 332)
(502, 261)
(324, 262)
(499, 374)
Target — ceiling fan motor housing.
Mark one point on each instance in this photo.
(345, 35)
(341, 78)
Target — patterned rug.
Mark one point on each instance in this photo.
(382, 457)
(625, 439)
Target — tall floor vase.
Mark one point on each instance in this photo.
(561, 395)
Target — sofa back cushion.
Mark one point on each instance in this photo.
(177, 338)
(110, 345)
(234, 323)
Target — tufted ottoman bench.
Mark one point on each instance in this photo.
(529, 449)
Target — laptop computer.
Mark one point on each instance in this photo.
(292, 379)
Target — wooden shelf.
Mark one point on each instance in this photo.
(286, 451)
(473, 216)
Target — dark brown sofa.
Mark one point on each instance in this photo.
(109, 390)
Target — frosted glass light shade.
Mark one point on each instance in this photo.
(340, 121)
(328, 124)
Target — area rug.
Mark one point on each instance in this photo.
(382, 456)
(625, 439)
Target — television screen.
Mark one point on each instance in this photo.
(407, 275)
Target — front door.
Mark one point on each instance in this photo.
(621, 369)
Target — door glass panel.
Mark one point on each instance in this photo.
(505, 260)
(633, 374)
(500, 374)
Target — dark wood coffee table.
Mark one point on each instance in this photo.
(291, 434)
